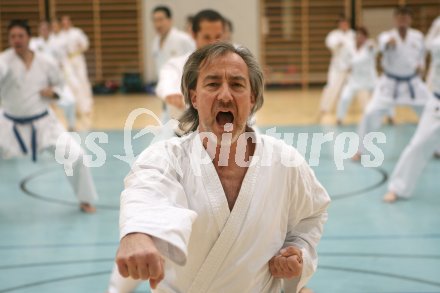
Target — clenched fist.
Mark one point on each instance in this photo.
(139, 258)
(176, 100)
(48, 93)
(287, 264)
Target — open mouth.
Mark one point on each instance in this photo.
(224, 117)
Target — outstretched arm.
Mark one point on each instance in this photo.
(138, 257)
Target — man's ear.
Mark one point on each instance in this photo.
(193, 96)
(253, 100)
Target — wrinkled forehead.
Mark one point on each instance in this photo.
(402, 16)
(17, 30)
(229, 62)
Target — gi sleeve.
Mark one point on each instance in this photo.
(154, 202)
(433, 32)
(169, 80)
(333, 40)
(54, 73)
(307, 215)
(3, 72)
(422, 54)
(188, 45)
(383, 40)
(83, 41)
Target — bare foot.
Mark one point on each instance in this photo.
(339, 122)
(87, 208)
(390, 120)
(356, 157)
(305, 290)
(390, 197)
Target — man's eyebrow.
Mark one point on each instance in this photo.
(238, 78)
(212, 77)
(218, 77)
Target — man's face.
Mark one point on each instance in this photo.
(360, 38)
(55, 26)
(223, 95)
(44, 30)
(66, 22)
(402, 21)
(344, 25)
(19, 39)
(161, 23)
(210, 32)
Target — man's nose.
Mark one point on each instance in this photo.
(225, 93)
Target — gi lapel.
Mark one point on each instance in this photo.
(232, 224)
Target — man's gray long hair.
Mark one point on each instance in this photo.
(190, 118)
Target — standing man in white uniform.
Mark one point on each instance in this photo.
(28, 82)
(45, 44)
(169, 41)
(423, 143)
(59, 43)
(167, 44)
(208, 28)
(403, 60)
(222, 209)
(433, 33)
(363, 74)
(340, 42)
(77, 45)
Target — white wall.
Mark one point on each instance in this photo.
(244, 14)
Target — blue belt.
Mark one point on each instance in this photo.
(26, 120)
(437, 95)
(400, 79)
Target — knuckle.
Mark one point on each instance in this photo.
(131, 258)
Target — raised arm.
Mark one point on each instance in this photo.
(332, 40)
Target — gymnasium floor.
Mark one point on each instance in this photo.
(47, 245)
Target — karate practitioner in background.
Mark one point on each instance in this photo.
(424, 141)
(47, 44)
(169, 42)
(211, 211)
(340, 42)
(208, 27)
(362, 74)
(28, 83)
(403, 60)
(77, 45)
(433, 33)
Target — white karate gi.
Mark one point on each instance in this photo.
(77, 43)
(424, 141)
(341, 45)
(170, 77)
(399, 62)
(20, 95)
(176, 43)
(362, 77)
(433, 33)
(174, 194)
(54, 50)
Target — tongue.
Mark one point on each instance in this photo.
(224, 117)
